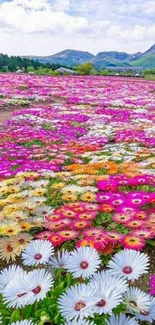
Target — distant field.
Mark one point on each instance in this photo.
(150, 77)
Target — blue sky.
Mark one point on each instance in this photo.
(44, 27)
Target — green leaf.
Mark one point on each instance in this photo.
(52, 309)
(39, 312)
(5, 312)
(15, 316)
(69, 279)
(59, 289)
(100, 320)
(48, 301)
(151, 242)
(105, 259)
(28, 311)
(57, 318)
(119, 309)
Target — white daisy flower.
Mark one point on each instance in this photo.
(43, 211)
(8, 275)
(30, 204)
(137, 300)
(37, 221)
(149, 315)
(77, 302)
(109, 291)
(27, 194)
(27, 288)
(39, 283)
(37, 252)
(72, 189)
(91, 188)
(61, 260)
(121, 320)
(41, 183)
(129, 264)
(16, 293)
(23, 322)
(83, 261)
(39, 200)
(46, 173)
(119, 284)
(79, 322)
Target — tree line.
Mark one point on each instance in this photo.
(13, 63)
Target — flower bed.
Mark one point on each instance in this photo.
(77, 200)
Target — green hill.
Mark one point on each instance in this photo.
(101, 60)
(146, 62)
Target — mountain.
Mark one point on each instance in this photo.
(151, 51)
(135, 56)
(101, 60)
(147, 62)
(113, 58)
(67, 57)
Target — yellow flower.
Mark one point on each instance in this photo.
(20, 242)
(80, 176)
(11, 208)
(27, 174)
(14, 198)
(57, 186)
(13, 189)
(11, 229)
(7, 251)
(3, 190)
(88, 197)
(3, 202)
(25, 226)
(39, 191)
(11, 181)
(18, 215)
(85, 182)
(69, 197)
(63, 174)
(2, 229)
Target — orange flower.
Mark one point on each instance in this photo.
(85, 242)
(106, 207)
(109, 249)
(90, 170)
(74, 167)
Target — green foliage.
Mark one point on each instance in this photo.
(146, 62)
(85, 69)
(149, 72)
(103, 218)
(151, 242)
(30, 68)
(13, 63)
(150, 77)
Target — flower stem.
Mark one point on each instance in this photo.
(22, 314)
(36, 306)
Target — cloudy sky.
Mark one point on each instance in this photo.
(44, 27)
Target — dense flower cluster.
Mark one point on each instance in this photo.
(76, 177)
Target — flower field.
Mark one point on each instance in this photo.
(77, 200)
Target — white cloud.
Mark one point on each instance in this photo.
(45, 27)
(29, 16)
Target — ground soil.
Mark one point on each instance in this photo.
(6, 114)
(143, 281)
